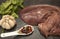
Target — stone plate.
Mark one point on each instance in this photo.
(36, 34)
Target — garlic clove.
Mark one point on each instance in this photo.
(3, 25)
(11, 23)
(7, 26)
(11, 17)
(1, 21)
(5, 16)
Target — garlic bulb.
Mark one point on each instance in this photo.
(7, 22)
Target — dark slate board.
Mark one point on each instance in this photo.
(36, 34)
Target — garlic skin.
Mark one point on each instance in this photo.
(7, 22)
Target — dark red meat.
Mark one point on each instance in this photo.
(36, 14)
(47, 18)
(51, 25)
